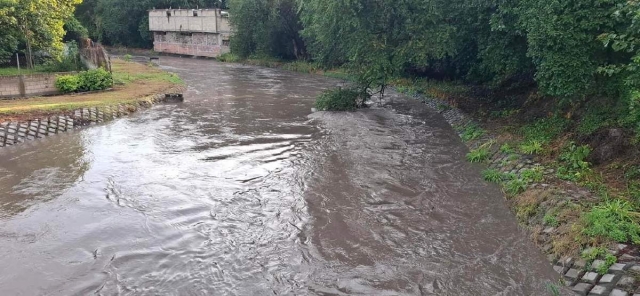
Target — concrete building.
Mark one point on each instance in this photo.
(196, 32)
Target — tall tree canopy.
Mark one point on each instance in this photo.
(38, 24)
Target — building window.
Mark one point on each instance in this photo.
(225, 42)
(187, 34)
(195, 12)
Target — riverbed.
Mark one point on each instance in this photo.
(242, 190)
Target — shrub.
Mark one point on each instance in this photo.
(506, 148)
(515, 187)
(550, 220)
(478, 155)
(97, 79)
(574, 167)
(228, 58)
(341, 99)
(67, 83)
(535, 174)
(472, 132)
(532, 147)
(613, 219)
(492, 175)
(127, 57)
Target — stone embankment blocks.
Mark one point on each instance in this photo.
(16, 132)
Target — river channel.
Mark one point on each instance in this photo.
(242, 190)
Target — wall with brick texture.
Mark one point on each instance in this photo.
(28, 85)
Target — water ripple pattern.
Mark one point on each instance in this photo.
(240, 191)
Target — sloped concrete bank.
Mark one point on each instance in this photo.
(583, 277)
(16, 132)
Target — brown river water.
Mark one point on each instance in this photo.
(242, 191)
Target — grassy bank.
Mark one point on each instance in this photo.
(132, 82)
(589, 161)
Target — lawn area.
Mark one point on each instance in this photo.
(133, 82)
(14, 71)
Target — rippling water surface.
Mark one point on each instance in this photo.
(240, 191)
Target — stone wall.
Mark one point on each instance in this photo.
(193, 44)
(28, 85)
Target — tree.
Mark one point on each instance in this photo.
(267, 27)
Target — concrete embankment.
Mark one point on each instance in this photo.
(16, 132)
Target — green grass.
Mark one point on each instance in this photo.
(506, 148)
(515, 187)
(592, 254)
(472, 132)
(550, 220)
(536, 174)
(14, 71)
(613, 219)
(544, 130)
(532, 147)
(341, 99)
(492, 175)
(478, 155)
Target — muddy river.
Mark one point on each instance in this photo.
(242, 191)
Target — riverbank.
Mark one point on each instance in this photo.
(569, 177)
(134, 83)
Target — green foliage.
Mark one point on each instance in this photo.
(492, 175)
(573, 165)
(75, 31)
(127, 57)
(341, 99)
(506, 148)
(472, 132)
(550, 220)
(613, 219)
(515, 186)
(592, 254)
(229, 58)
(535, 174)
(67, 83)
(269, 28)
(97, 79)
(544, 130)
(478, 155)
(532, 147)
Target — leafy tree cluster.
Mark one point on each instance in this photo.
(570, 48)
(34, 25)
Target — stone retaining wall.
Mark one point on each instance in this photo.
(621, 279)
(13, 133)
(28, 85)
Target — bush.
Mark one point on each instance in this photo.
(341, 99)
(532, 147)
(91, 80)
(614, 219)
(228, 58)
(97, 79)
(478, 155)
(472, 132)
(515, 187)
(67, 83)
(492, 175)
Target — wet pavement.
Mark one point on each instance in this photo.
(242, 191)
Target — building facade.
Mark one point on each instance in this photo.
(195, 32)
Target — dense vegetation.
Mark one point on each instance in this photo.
(32, 26)
(572, 51)
(90, 80)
